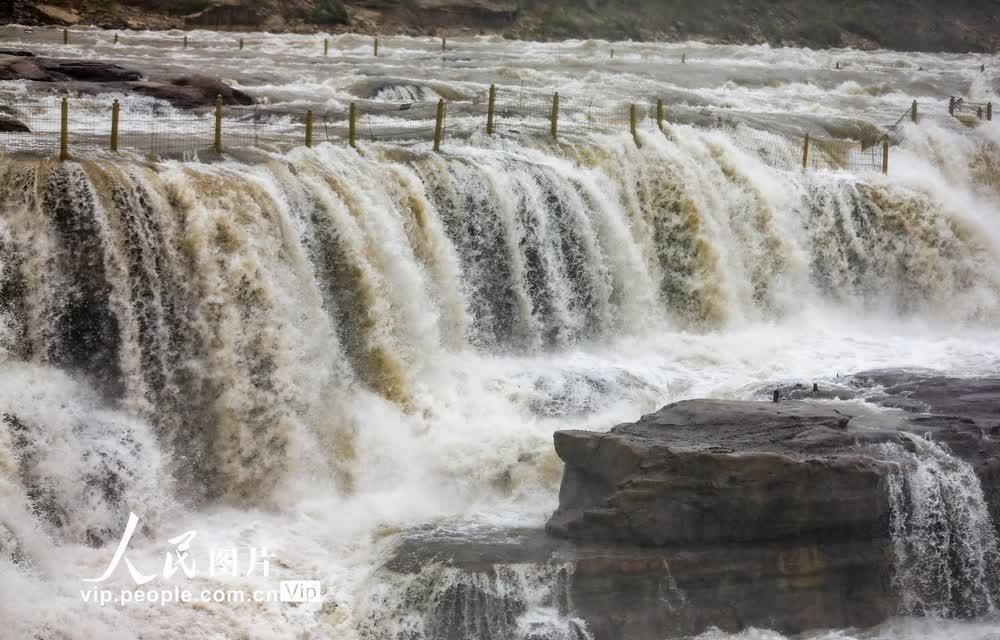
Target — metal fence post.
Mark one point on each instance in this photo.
(989, 111)
(64, 131)
(805, 153)
(326, 48)
(309, 128)
(491, 110)
(116, 39)
(65, 36)
(376, 46)
(218, 124)
(555, 116)
(913, 112)
(439, 125)
(885, 157)
(951, 106)
(659, 113)
(633, 124)
(115, 108)
(352, 127)
(444, 43)
(185, 41)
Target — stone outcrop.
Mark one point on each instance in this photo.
(191, 91)
(50, 14)
(473, 580)
(17, 66)
(718, 471)
(94, 77)
(9, 125)
(727, 514)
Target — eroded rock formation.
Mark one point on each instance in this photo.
(795, 515)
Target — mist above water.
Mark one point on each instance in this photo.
(318, 350)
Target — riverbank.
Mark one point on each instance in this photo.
(914, 26)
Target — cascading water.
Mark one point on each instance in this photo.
(504, 602)
(320, 349)
(944, 540)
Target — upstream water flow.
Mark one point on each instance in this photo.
(315, 351)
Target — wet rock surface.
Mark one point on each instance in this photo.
(9, 124)
(719, 471)
(625, 591)
(95, 77)
(725, 514)
(17, 66)
(191, 91)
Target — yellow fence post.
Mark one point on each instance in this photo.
(376, 46)
(64, 131)
(309, 128)
(439, 125)
(659, 113)
(885, 157)
(805, 153)
(913, 112)
(352, 127)
(218, 124)
(491, 110)
(115, 108)
(555, 116)
(326, 47)
(633, 124)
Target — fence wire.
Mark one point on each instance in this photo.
(968, 110)
(144, 130)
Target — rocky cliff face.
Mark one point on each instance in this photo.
(970, 25)
(793, 515)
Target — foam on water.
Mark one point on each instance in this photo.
(317, 351)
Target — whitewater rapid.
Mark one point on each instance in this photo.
(318, 350)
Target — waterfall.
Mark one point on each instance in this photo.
(502, 602)
(235, 306)
(944, 540)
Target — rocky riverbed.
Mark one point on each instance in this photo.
(834, 507)
(93, 77)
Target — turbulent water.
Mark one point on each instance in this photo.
(319, 349)
(945, 543)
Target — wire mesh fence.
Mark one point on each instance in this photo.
(93, 126)
(964, 109)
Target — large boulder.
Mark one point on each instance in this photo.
(191, 91)
(812, 512)
(87, 70)
(718, 471)
(730, 471)
(13, 67)
(454, 581)
(49, 14)
(10, 125)
(17, 66)
(95, 77)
